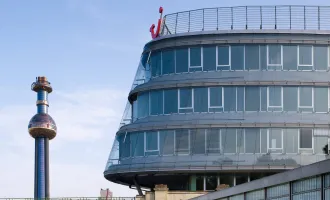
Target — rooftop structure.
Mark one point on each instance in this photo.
(226, 96)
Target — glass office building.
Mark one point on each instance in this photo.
(226, 96)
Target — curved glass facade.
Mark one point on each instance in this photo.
(305, 99)
(210, 108)
(240, 57)
(217, 141)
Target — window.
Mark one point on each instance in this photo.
(197, 141)
(195, 59)
(274, 57)
(156, 102)
(275, 98)
(305, 56)
(252, 99)
(168, 62)
(252, 57)
(229, 99)
(240, 140)
(252, 140)
(321, 141)
(290, 55)
(237, 57)
(215, 99)
(181, 58)
(306, 139)
(213, 141)
(306, 99)
(152, 143)
(156, 64)
(320, 57)
(329, 57)
(321, 99)
(185, 100)
(275, 140)
(223, 57)
(291, 140)
(137, 144)
(143, 104)
(240, 98)
(200, 99)
(166, 142)
(209, 58)
(211, 182)
(290, 98)
(228, 140)
(182, 141)
(170, 101)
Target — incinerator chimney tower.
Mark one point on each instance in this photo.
(43, 128)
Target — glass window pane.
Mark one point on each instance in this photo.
(185, 98)
(275, 96)
(137, 144)
(156, 64)
(209, 58)
(195, 56)
(237, 57)
(274, 55)
(213, 141)
(307, 184)
(252, 140)
(321, 99)
(200, 100)
(200, 183)
(135, 110)
(263, 99)
(305, 55)
(240, 140)
(252, 57)
(151, 141)
(320, 145)
(321, 57)
(305, 96)
(291, 140)
(166, 142)
(240, 98)
(168, 58)
(170, 101)
(197, 141)
(275, 138)
(124, 145)
(252, 99)
(306, 138)
(156, 102)
(263, 140)
(216, 97)
(223, 55)
(263, 57)
(181, 57)
(182, 141)
(228, 140)
(290, 98)
(211, 182)
(290, 57)
(143, 104)
(230, 98)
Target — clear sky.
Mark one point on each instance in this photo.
(89, 50)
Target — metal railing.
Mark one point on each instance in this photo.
(282, 17)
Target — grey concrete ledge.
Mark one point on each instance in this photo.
(239, 78)
(240, 36)
(229, 120)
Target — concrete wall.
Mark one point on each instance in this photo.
(161, 193)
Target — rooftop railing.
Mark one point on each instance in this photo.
(249, 18)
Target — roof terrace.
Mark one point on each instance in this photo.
(283, 17)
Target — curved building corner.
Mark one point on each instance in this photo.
(226, 96)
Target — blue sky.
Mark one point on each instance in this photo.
(89, 50)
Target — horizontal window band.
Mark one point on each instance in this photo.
(123, 129)
(194, 83)
(239, 37)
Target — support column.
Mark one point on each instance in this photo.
(193, 183)
(161, 192)
(138, 188)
